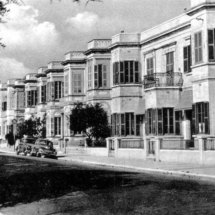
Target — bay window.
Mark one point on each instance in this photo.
(31, 98)
(159, 121)
(100, 75)
(125, 72)
(54, 90)
(125, 124)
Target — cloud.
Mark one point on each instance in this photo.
(11, 68)
(83, 22)
(24, 32)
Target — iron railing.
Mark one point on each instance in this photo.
(179, 144)
(209, 144)
(131, 144)
(167, 79)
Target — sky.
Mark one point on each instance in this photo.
(40, 31)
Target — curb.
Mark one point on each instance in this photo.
(2, 151)
(149, 170)
(187, 175)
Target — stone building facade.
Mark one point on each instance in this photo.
(156, 84)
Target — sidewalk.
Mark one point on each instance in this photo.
(191, 171)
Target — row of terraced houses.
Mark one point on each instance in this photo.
(157, 86)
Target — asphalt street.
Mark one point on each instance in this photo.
(44, 186)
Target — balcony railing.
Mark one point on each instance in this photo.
(167, 79)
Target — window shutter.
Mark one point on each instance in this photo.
(117, 124)
(96, 76)
(56, 91)
(185, 59)
(55, 125)
(122, 124)
(178, 115)
(60, 89)
(160, 121)
(196, 47)
(47, 92)
(36, 96)
(114, 73)
(206, 118)
(211, 45)
(165, 121)
(136, 69)
(24, 98)
(147, 122)
(52, 90)
(117, 73)
(44, 87)
(153, 121)
(100, 75)
(122, 74)
(29, 98)
(132, 124)
(126, 72)
(194, 124)
(127, 124)
(171, 121)
(52, 127)
(131, 71)
(59, 124)
(32, 97)
(189, 59)
(104, 76)
(138, 121)
(112, 126)
(200, 46)
(41, 94)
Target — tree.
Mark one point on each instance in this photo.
(33, 127)
(90, 119)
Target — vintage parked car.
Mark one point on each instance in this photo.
(25, 145)
(43, 148)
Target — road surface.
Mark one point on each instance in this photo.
(31, 186)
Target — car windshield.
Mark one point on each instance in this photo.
(45, 142)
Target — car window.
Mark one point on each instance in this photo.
(30, 141)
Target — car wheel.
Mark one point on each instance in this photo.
(25, 153)
(17, 152)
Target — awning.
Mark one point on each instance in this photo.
(141, 107)
(186, 100)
